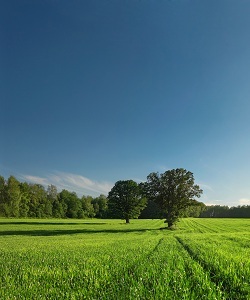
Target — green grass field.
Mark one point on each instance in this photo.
(107, 259)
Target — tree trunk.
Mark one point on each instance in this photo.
(127, 220)
(170, 224)
(169, 219)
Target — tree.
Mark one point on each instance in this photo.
(12, 197)
(38, 200)
(25, 199)
(125, 199)
(88, 210)
(71, 203)
(51, 200)
(151, 211)
(194, 210)
(173, 191)
(100, 205)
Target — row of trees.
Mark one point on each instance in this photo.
(22, 199)
(218, 211)
(170, 195)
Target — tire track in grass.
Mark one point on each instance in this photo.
(207, 228)
(132, 268)
(117, 287)
(230, 291)
(242, 241)
(165, 272)
(191, 226)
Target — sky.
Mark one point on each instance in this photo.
(92, 92)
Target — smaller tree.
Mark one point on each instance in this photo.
(100, 205)
(13, 197)
(87, 207)
(125, 199)
(174, 191)
(25, 199)
(71, 203)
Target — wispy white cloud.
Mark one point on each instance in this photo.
(36, 179)
(244, 201)
(208, 201)
(73, 182)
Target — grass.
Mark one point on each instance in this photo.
(107, 259)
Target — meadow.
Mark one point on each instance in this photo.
(108, 259)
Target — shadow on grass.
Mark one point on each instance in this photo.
(68, 232)
(50, 223)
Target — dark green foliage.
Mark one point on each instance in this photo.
(71, 203)
(25, 199)
(151, 211)
(100, 205)
(51, 199)
(39, 205)
(125, 200)
(193, 210)
(173, 191)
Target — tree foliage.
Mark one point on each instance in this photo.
(173, 191)
(125, 199)
(12, 197)
(100, 205)
(87, 207)
(22, 199)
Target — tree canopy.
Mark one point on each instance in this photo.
(125, 199)
(173, 191)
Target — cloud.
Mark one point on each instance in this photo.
(244, 201)
(73, 182)
(36, 179)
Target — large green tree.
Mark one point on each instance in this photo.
(125, 199)
(173, 191)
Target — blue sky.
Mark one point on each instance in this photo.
(97, 91)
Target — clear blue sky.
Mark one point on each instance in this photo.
(97, 91)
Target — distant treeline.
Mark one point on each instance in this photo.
(22, 199)
(27, 200)
(218, 211)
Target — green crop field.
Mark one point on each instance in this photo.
(107, 259)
